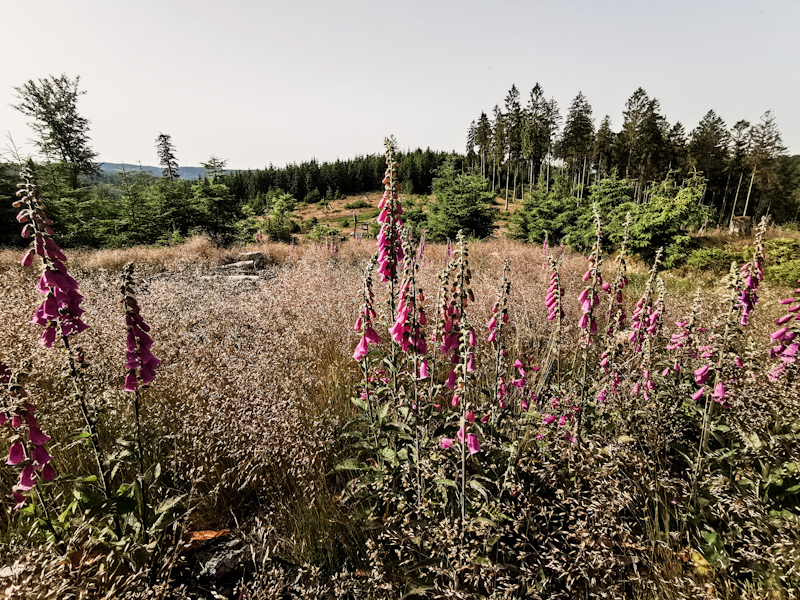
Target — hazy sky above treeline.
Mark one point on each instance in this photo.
(259, 82)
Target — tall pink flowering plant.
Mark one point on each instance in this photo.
(27, 450)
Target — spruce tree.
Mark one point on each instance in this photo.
(166, 157)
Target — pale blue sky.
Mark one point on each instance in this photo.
(260, 82)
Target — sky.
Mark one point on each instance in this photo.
(260, 82)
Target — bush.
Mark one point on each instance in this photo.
(463, 202)
(321, 231)
(715, 259)
(360, 203)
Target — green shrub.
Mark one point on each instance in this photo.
(787, 273)
(321, 231)
(360, 203)
(782, 250)
(713, 258)
(463, 202)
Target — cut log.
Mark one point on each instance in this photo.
(243, 264)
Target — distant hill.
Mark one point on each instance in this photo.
(183, 172)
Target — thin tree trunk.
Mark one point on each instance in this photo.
(724, 200)
(735, 200)
(508, 174)
(750, 189)
(583, 176)
(516, 170)
(548, 173)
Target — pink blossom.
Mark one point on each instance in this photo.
(423, 369)
(473, 445)
(698, 394)
(548, 419)
(26, 481)
(446, 443)
(701, 374)
(40, 455)
(16, 454)
(48, 472)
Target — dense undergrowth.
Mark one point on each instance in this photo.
(590, 448)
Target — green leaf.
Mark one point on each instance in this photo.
(449, 482)
(360, 403)
(389, 454)
(351, 464)
(383, 411)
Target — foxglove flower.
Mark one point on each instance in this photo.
(138, 358)
(60, 312)
(752, 274)
(364, 322)
(786, 347)
(390, 251)
(32, 455)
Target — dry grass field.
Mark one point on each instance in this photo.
(254, 392)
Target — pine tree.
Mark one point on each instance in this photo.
(578, 137)
(766, 148)
(166, 157)
(603, 148)
(216, 167)
(483, 139)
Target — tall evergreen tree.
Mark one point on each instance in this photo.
(708, 153)
(513, 116)
(766, 149)
(603, 148)
(483, 139)
(166, 157)
(578, 137)
(499, 141)
(643, 152)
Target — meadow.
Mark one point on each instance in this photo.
(565, 438)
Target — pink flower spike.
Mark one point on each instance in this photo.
(473, 445)
(446, 443)
(16, 454)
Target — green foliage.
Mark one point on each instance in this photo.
(217, 209)
(463, 202)
(716, 259)
(360, 203)
(782, 250)
(663, 221)
(321, 231)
